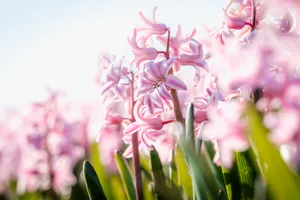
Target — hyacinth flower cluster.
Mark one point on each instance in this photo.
(251, 60)
(41, 143)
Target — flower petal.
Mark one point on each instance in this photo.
(149, 103)
(175, 83)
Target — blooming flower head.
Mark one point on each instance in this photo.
(152, 27)
(141, 53)
(226, 127)
(154, 83)
(115, 79)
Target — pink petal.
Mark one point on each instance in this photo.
(168, 65)
(149, 103)
(155, 97)
(106, 87)
(132, 128)
(162, 90)
(175, 83)
(153, 70)
(128, 152)
(143, 91)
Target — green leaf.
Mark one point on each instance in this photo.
(184, 176)
(95, 158)
(260, 189)
(126, 176)
(31, 196)
(119, 192)
(92, 183)
(159, 185)
(204, 184)
(144, 162)
(246, 175)
(228, 182)
(173, 169)
(78, 191)
(216, 171)
(148, 194)
(189, 123)
(281, 182)
(232, 182)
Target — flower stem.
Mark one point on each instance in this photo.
(253, 15)
(173, 92)
(135, 151)
(137, 167)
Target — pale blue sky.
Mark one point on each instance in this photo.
(58, 42)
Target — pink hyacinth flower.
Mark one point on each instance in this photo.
(143, 122)
(154, 83)
(194, 59)
(115, 79)
(287, 127)
(227, 128)
(153, 27)
(235, 22)
(177, 41)
(110, 122)
(141, 53)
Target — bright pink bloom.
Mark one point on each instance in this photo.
(154, 83)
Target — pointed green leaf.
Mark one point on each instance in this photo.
(246, 175)
(173, 169)
(281, 182)
(184, 176)
(126, 176)
(95, 158)
(92, 183)
(119, 192)
(216, 171)
(162, 190)
(189, 123)
(228, 182)
(204, 184)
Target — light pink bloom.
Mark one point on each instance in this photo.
(141, 53)
(195, 59)
(287, 126)
(146, 138)
(177, 41)
(235, 20)
(116, 79)
(200, 108)
(63, 175)
(143, 122)
(110, 120)
(152, 27)
(228, 129)
(154, 83)
(148, 126)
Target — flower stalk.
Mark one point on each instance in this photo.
(135, 151)
(173, 92)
